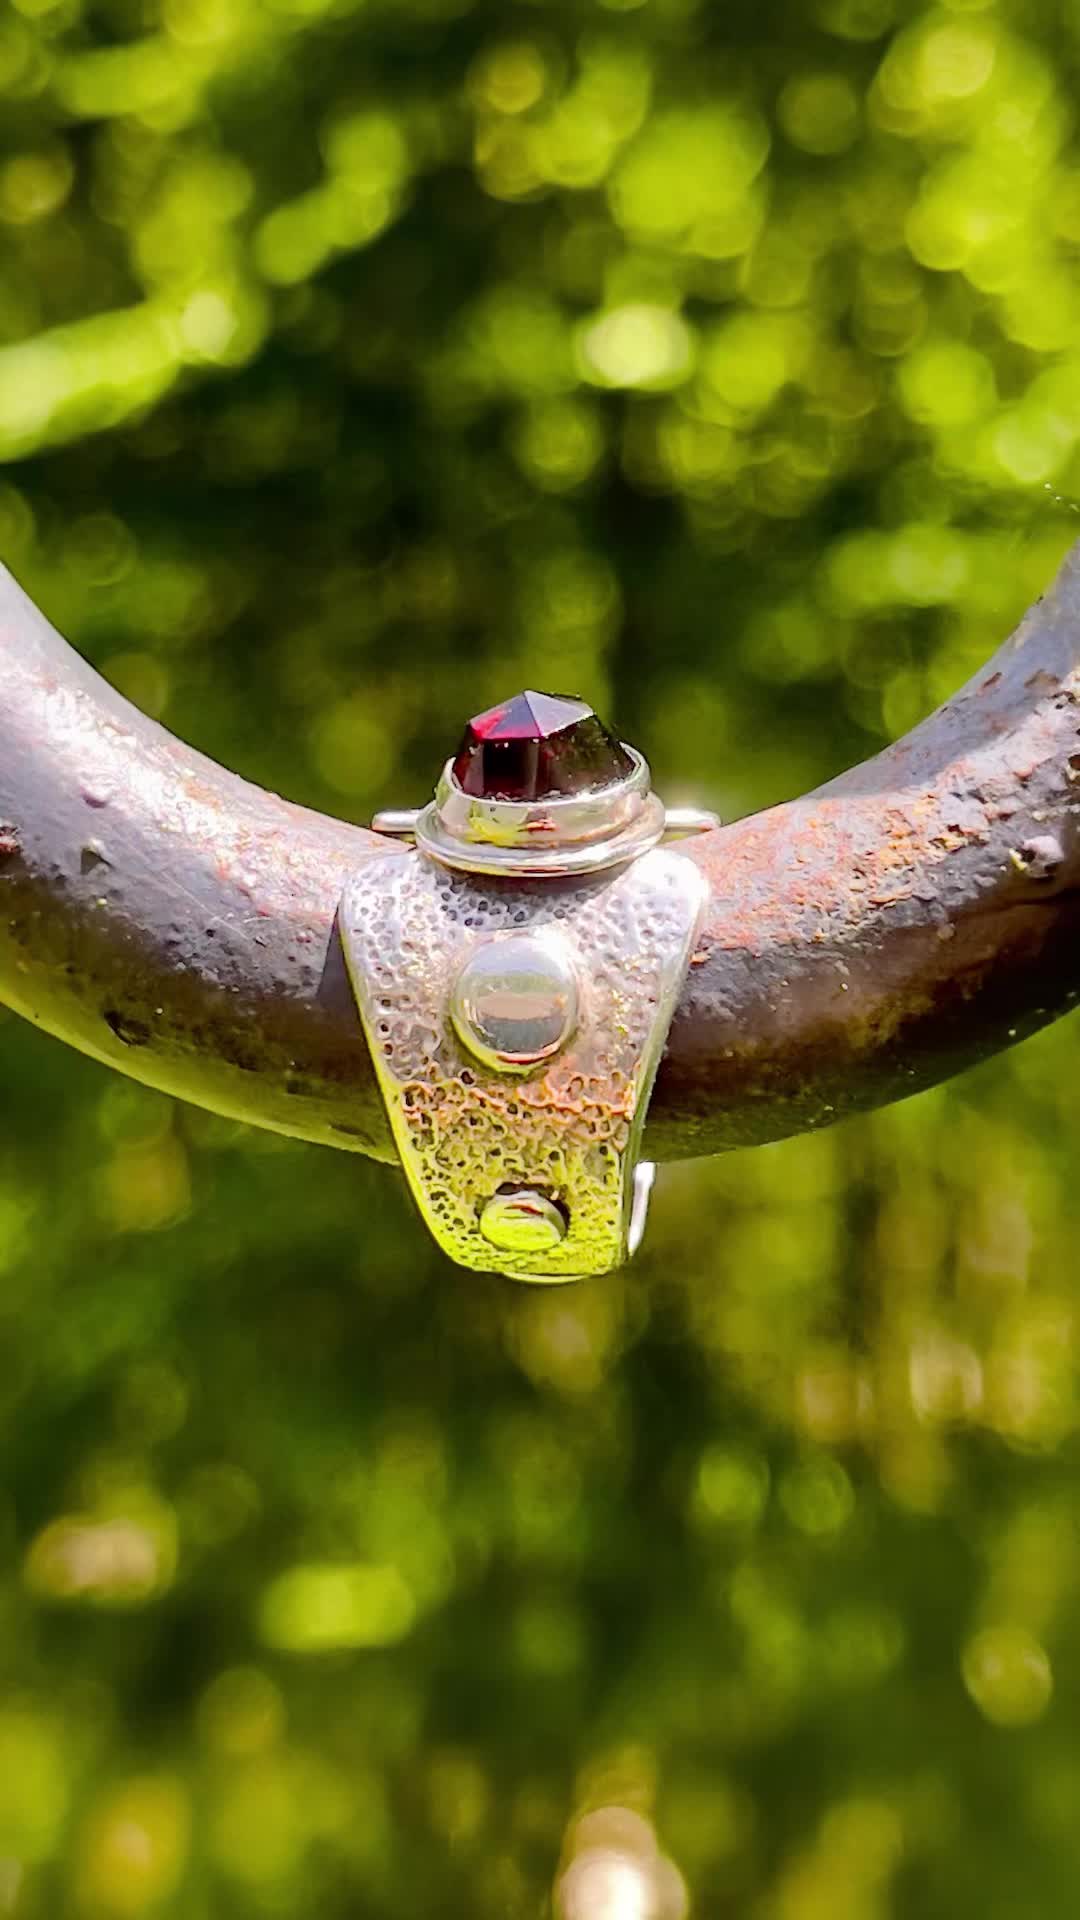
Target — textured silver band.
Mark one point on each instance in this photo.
(522, 1164)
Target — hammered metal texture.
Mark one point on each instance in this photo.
(570, 1128)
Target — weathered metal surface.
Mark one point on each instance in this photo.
(903, 922)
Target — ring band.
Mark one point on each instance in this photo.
(521, 1162)
(516, 970)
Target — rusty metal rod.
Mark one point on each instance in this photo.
(901, 923)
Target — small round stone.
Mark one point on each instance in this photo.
(515, 1001)
(523, 1220)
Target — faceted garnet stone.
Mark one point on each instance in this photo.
(536, 746)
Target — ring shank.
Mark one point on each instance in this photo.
(570, 1130)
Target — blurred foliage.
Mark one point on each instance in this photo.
(359, 360)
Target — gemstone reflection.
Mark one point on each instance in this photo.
(523, 1220)
(515, 1001)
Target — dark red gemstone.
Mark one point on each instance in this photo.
(537, 746)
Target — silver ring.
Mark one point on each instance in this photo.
(516, 970)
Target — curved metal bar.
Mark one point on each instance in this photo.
(903, 922)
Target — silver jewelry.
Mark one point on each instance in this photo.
(516, 970)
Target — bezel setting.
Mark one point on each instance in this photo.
(514, 1003)
(562, 834)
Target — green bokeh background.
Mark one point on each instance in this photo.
(359, 361)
